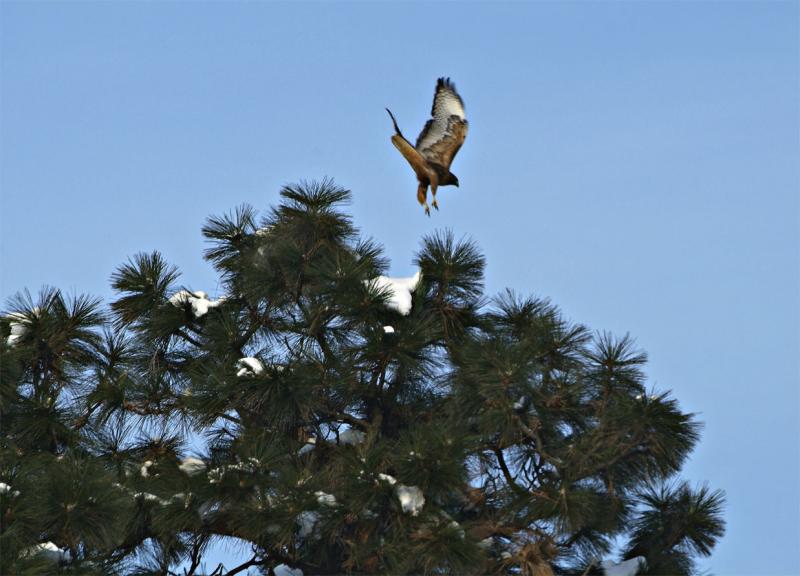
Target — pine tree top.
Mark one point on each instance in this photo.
(335, 419)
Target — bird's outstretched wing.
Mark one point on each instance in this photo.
(443, 134)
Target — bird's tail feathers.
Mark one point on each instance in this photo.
(396, 128)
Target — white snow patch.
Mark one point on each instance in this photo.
(181, 297)
(386, 478)
(520, 404)
(456, 526)
(215, 475)
(17, 331)
(625, 568)
(5, 488)
(201, 306)
(144, 470)
(486, 543)
(284, 570)
(48, 551)
(411, 499)
(388, 329)
(351, 436)
(310, 445)
(399, 290)
(198, 299)
(325, 499)
(192, 466)
(147, 497)
(251, 465)
(249, 367)
(18, 324)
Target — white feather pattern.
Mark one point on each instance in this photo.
(446, 103)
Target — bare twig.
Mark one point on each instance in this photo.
(252, 562)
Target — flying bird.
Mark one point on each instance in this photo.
(437, 144)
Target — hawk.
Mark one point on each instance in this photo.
(437, 144)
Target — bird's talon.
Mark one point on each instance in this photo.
(427, 211)
(436, 205)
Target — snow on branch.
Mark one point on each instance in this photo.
(399, 290)
(308, 447)
(47, 551)
(198, 299)
(325, 499)
(144, 471)
(411, 499)
(249, 367)
(6, 489)
(387, 478)
(18, 324)
(192, 466)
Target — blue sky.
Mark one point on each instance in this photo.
(637, 163)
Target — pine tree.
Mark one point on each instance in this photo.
(334, 420)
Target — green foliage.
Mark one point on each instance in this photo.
(320, 417)
(676, 524)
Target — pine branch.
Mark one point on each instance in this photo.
(510, 480)
(250, 563)
(195, 556)
(189, 338)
